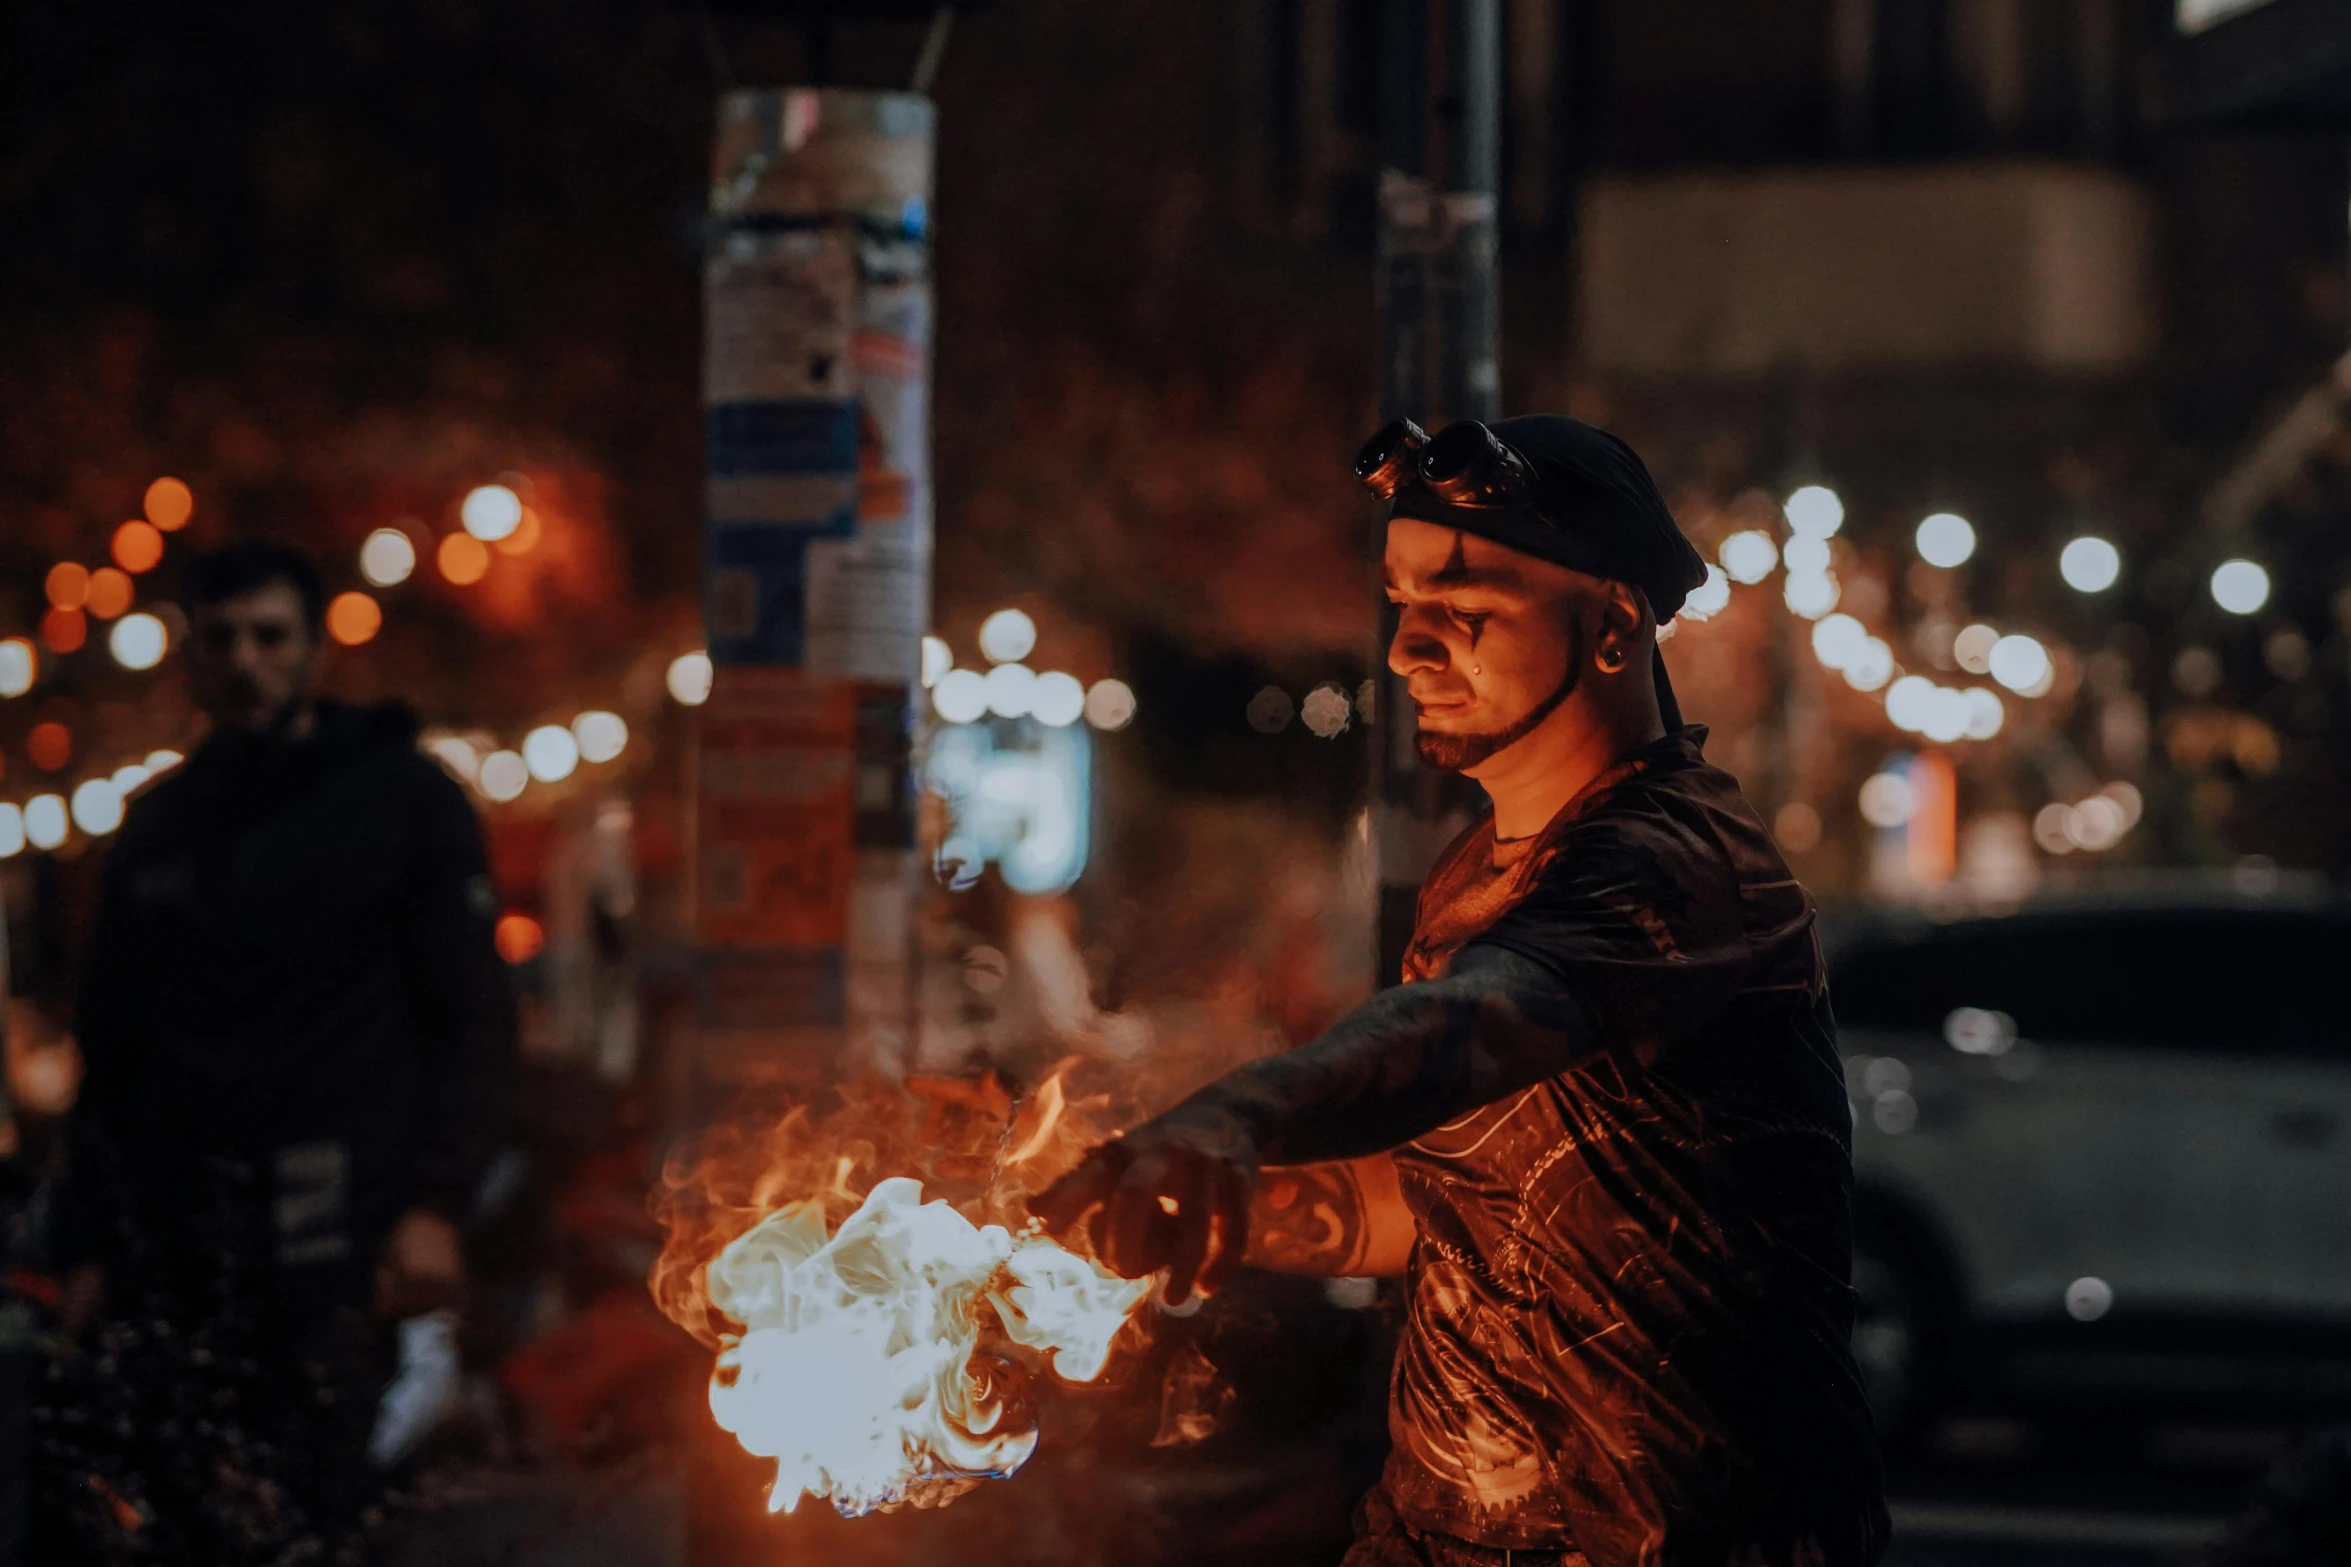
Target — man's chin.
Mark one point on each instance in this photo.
(1451, 753)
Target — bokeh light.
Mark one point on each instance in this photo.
(1805, 557)
(1972, 648)
(49, 746)
(2021, 664)
(11, 830)
(169, 504)
(2240, 586)
(456, 753)
(387, 557)
(2089, 564)
(1838, 639)
(1011, 687)
(1110, 704)
(1885, 800)
(64, 630)
(67, 585)
(160, 761)
(689, 679)
(1946, 539)
(1058, 701)
(353, 618)
(1809, 594)
(19, 666)
(518, 937)
(1748, 556)
(45, 821)
(503, 775)
(551, 753)
(937, 659)
(490, 513)
(1872, 666)
(137, 547)
(601, 735)
(1007, 636)
(1908, 702)
(463, 559)
(97, 807)
(109, 594)
(137, 641)
(1814, 512)
(1985, 713)
(128, 777)
(1709, 598)
(524, 538)
(960, 696)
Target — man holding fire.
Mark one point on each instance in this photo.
(1601, 1129)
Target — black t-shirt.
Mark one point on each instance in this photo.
(1629, 1309)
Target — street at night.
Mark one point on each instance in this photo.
(1382, 783)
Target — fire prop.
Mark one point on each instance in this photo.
(885, 1361)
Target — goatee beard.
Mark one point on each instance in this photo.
(1459, 753)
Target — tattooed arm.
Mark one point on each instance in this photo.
(1175, 1193)
(1330, 1220)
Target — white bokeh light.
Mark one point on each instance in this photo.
(128, 777)
(1838, 639)
(1011, 688)
(1814, 512)
(387, 557)
(1908, 701)
(960, 696)
(601, 735)
(1007, 636)
(1946, 539)
(45, 821)
(551, 753)
(2089, 564)
(1872, 666)
(18, 665)
(1058, 700)
(137, 641)
(97, 807)
(503, 776)
(1805, 557)
(1947, 715)
(937, 659)
(2240, 586)
(156, 761)
(1748, 556)
(690, 675)
(1110, 704)
(11, 830)
(1709, 598)
(2021, 664)
(1985, 714)
(1810, 594)
(491, 513)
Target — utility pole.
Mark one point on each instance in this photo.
(1439, 298)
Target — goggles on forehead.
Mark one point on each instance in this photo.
(1464, 465)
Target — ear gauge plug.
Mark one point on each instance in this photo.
(1612, 659)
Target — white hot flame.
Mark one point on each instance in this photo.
(854, 1370)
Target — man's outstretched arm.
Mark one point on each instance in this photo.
(1345, 1220)
(1175, 1192)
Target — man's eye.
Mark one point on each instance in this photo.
(270, 636)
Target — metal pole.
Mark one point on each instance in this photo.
(1473, 287)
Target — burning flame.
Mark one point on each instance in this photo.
(885, 1361)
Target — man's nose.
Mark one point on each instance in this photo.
(1415, 647)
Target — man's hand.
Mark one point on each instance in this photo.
(1173, 1194)
(422, 1267)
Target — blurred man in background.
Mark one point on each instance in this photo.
(1602, 1129)
(298, 1041)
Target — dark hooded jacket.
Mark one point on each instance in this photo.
(292, 978)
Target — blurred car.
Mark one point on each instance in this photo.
(2102, 1154)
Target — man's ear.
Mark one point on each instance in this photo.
(1624, 627)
